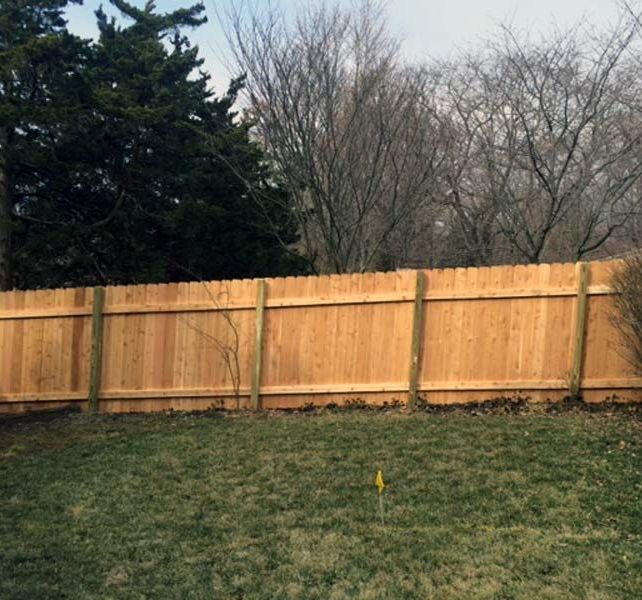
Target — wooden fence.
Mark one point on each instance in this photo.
(451, 335)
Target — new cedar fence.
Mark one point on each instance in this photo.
(453, 335)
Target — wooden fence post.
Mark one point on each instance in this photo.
(415, 348)
(96, 348)
(579, 332)
(258, 345)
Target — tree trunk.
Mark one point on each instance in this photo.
(6, 215)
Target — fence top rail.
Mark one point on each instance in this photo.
(301, 302)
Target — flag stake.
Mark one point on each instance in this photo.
(380, 485)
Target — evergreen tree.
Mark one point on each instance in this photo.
(40, 90)
(155, 177)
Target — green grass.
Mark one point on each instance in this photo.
(498, 506)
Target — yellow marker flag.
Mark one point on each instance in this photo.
(379, 481)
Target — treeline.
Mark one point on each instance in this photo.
(329, 153)
(522, 150)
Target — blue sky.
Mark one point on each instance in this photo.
(428, 27)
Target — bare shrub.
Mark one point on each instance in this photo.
(626, 315)
(228, 345)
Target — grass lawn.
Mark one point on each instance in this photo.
(183, 506)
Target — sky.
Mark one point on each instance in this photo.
(428, 28)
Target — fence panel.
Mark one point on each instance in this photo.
(484, 333)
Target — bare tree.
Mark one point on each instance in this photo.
(466, 108)
(342, 118)
(543, 145)
(569, 153)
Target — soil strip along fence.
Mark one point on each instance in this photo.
(442, 336)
